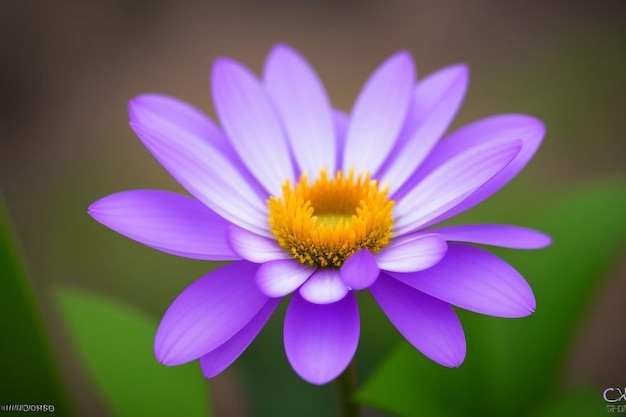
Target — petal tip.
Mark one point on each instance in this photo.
(462, 68)
(455, 357)
(360, 270)
(457, 362)
(161, 354)
(549, 241)
(462, 71)
(142, 102)
(324, 379)
(222, 65)
(455, 73)
(528, 303)
(315, 297)
(169, 361)
(92, 208)
(210, 370)
(404, 62)
(535, 127)
(280, 278)
(317, 376)
(322, 291)
(282, 48)
(141, 98)
(162, 348)
(524, 308)
(530, 308)
(543, 241)
(404, 55)
(97, 208)
(134, 103)
(208, 374)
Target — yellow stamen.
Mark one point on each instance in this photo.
(324, 223)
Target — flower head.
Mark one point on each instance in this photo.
(309, 201)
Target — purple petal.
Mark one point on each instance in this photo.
(282, 277)
(495, 235)
(494, 130)
(304, 108)
(321, 339)
(324, 287)
(360, 270)
(166, 221)
(476, 280)
(210, 176)
(208, 313)
(433, 106)
(173, 118)
(253, 247)
(378, 114)
(179, 121)
(451, 183)
(214, 362)
(412, 253)
(341, 120)
(251, 123)
(429, 324)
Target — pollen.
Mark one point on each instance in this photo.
(323, 223)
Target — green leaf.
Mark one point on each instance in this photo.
(29, 375)
(115, 343)
(575, 403)
(409, 384)
(512, 366)
(589, 231)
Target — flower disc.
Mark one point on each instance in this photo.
(322, 224)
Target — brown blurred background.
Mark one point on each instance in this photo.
(69, 68)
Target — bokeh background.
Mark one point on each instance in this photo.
(69, 68)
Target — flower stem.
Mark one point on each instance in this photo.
(346, 384)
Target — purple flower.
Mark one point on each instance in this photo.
(310, 201)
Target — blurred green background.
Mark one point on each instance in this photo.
(81, 301)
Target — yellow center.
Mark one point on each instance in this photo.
(324, 223)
